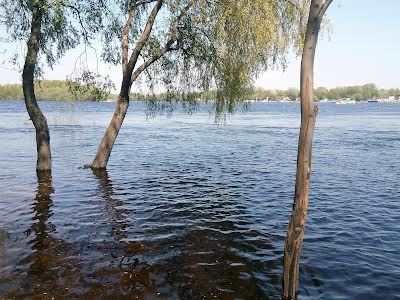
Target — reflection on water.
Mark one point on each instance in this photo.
(131, 277)
(115, 208)
(41, 228)
(189, 210)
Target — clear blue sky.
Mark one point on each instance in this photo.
(363, 47)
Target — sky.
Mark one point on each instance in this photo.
(363, 47)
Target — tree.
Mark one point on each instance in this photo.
(51, 29)
(205, 45)
(369, 91)
(321, 93)
(292, 93)
(35, 113)
(309, 112)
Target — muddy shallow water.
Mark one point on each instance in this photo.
(191, 210)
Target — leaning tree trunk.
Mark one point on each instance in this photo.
(309, 111)
(129, 76)
(38, 119)
(107, 143)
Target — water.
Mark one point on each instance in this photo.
(191, 210)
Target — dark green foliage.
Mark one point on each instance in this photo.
(360, 92)
(86, 90)
(55, 90)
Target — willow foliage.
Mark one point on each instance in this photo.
(65, 24)
(252, 36)
(221, 45)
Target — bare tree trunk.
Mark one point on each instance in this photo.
(309, 112)
(38, 119)
(107, 143)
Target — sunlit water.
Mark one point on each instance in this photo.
(192, 210)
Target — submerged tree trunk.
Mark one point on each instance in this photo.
(309, 112)
(107, 143)
(129, 76)
(38, 119)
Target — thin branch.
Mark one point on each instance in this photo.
(149, 62)
(9, 69)
(144, 2)
(77, 12)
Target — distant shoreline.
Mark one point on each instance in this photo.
(339, 101)
(59, 90)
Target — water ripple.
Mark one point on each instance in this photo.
(190, 210)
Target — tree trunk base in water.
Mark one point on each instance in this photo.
(43, 163)
(90, 166)
(107, 143)
(295, 233)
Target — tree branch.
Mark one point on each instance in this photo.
(144, 37)
(77, 12)
(125, 36)
(324, 7)
(168, 46)
(143, 2)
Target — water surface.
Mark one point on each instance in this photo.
(191, 210)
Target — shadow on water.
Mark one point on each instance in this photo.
(114, 208)
(125, 274)
(189, 245)
(41, 227)
(198, 240)
(185, 246)
(45, 260)
(57, 269)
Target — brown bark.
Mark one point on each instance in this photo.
(38, 119)
(129, 76)
(309, 112)
(107, 143)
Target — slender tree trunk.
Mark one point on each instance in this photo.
(128, 65)
(309, 112)
(38, 119)
(107, 143)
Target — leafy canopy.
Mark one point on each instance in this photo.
(65, 24)
(220, 45)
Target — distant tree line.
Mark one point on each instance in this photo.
(358, 92)
(60, 90)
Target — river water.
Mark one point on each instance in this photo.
(192, 210)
